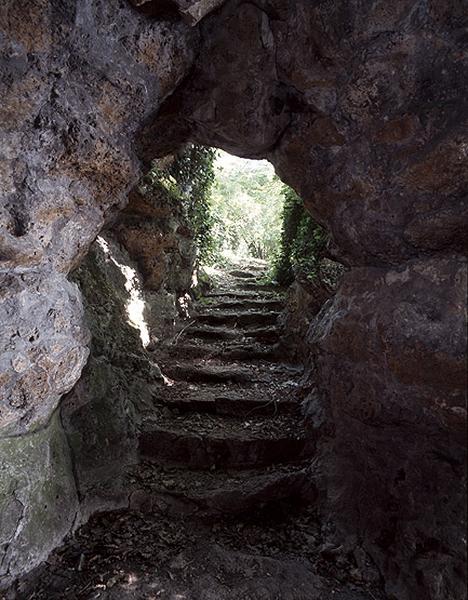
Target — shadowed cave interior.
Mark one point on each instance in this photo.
(240, 437)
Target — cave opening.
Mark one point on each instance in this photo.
(212, 212)
(119, 372)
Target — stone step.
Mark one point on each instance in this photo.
(193, 350)
(243, 274)
(214, 370)
(239, 319)
(225, 351)
(174, 491)
(256, 286)
(265, 335)
(208, 441)
(216, 373)
(207, 332)
(232, 403)
(245, 295)
(269, 304)
(248, 352)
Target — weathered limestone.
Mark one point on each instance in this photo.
(67, 118)
(305, 299)
(362, 109)
(390, 377)
(195, 10)
(43, 346)
(157, 235)
(38, 499)
(77, 80)
(98, 72)
(100, 416)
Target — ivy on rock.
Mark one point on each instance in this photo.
(188, 179)
(244, 205)
(303, 242)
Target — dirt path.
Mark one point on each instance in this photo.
(221, 504)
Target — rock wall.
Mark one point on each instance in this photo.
(100, 416)
(43, 347)
(362, 108)
(306, 297)
(77, 80)
(390, 366)
(130, 280)
(38, 497)
(304, 301)
(157, 235)
(192, 11)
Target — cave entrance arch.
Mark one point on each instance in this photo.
(363, 113)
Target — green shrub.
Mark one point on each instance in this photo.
(189, 179)
(246, 206)
(303, 242)
(243, 207)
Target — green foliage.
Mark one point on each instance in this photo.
(303, 242)
(194, 170)
(238, 208)
(188, 180)
(246, 208)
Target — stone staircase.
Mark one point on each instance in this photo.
(230, 436)
(222, 503)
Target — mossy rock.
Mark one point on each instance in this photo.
(38, 498)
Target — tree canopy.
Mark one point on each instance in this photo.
(246, 206)
(238, 208)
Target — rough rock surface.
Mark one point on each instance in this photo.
(76, 83)
(101, 414)
(192, 10)
(77, 80)
(362, 108)
(43, 347)
(38, 498)
(157, 238)
(157, 235)
(391, 352)
(305, 299)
